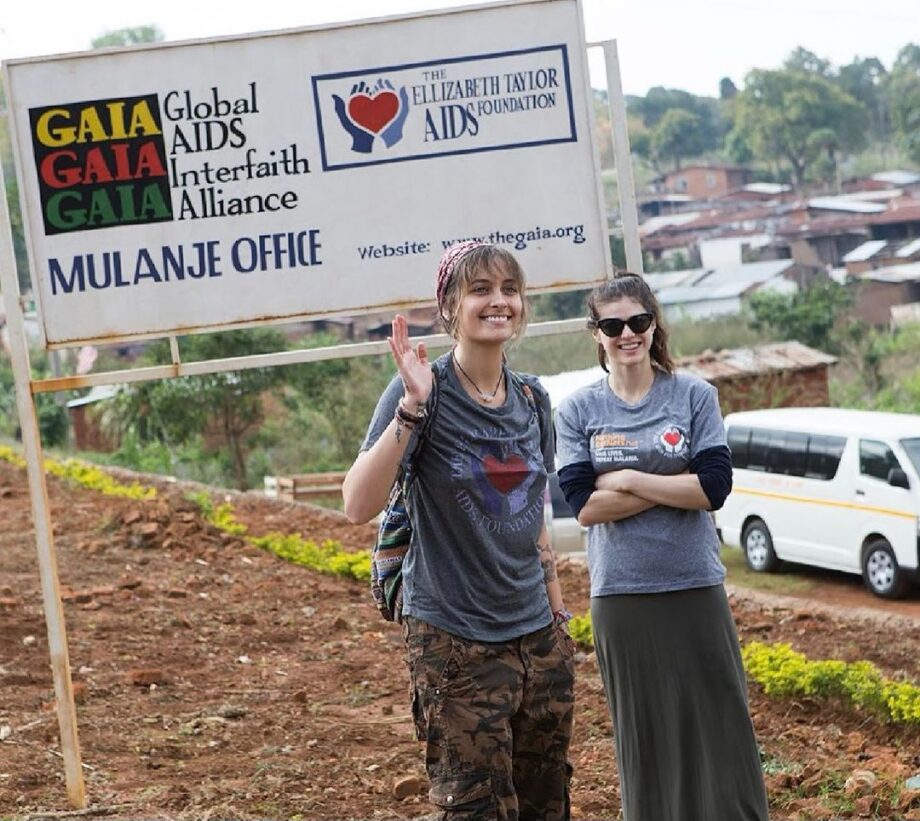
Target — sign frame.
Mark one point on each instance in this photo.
(416, 292)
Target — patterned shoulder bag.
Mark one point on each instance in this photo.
(395, 531)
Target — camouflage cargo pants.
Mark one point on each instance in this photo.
(496, 719)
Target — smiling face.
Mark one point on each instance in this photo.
(484, 273)
(490, 308)
(629, 349)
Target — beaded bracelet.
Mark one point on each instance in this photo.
(409, 418)
(562, 616)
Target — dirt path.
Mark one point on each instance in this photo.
(215, 680)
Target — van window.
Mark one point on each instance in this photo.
(824, 454)
(791, 453)
(912, 448)
(876, 459)
(738, 440)
(758, 448)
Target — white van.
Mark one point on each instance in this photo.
(827, 487)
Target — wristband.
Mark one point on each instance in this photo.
(401, 425)
(410, 418)
(562, 616)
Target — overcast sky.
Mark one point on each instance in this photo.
(688, 44)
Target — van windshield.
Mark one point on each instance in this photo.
(912, 448)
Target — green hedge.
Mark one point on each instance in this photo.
(325, 557)
(781, 671)
(84, 474)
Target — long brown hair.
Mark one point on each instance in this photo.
(626, 285)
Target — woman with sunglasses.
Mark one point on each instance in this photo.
(491, 664)
(642, 459)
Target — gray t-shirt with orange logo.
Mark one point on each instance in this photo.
(663, 548)
(476, 506)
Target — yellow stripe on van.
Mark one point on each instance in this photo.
(886, 511)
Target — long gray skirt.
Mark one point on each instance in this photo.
(675, 685)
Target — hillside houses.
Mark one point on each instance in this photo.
(869, 234)
(712, 292)
(756, 236)
(704, 181)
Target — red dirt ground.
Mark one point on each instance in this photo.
(216, 681)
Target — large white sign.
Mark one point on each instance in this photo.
(183, 187)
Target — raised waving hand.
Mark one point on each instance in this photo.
(414, 367)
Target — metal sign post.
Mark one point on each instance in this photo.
(626, 187)
(41, 515)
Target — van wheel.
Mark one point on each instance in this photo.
(758, 547)
(881, 573)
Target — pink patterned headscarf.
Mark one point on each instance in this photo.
(448, 262)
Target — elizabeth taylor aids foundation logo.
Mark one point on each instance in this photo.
(671, 441)
(372, 114)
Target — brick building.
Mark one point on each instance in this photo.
(705, 182)
(776, 375)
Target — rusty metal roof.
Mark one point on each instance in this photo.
(903, 210)
(760, 359)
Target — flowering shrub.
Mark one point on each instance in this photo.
(783, 672)
(580, 629)
(85, 474)
(10, 455)
(327, 557)
(89, 476)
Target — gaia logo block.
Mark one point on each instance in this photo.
(101, 164)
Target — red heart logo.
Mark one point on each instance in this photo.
(373, 113)
(506, 475)
(672, 437)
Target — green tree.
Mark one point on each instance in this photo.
(676, 135)
(131, 36)
(902, 91)
(778, 113)
(602, 128)
(865, 80)
(49, 408)
(825, 145)
(807, 62)
(737, 146)
(640, 141)
(727, 89)
(12, 195)
(709, 127)
(224, 408)
(809, 315)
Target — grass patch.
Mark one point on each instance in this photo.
(775, 765)
(738, 573)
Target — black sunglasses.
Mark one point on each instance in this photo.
(638, 324)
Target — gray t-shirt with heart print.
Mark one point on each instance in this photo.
(476, 505)
(663, 548)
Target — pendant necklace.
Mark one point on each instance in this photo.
(486, 397)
